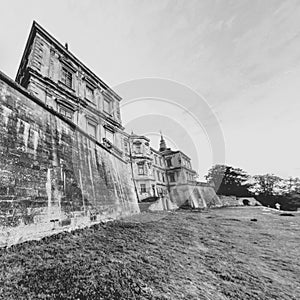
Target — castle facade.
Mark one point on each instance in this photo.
(65, 159)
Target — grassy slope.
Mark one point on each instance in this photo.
(219, 254)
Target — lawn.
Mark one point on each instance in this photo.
(229, 253)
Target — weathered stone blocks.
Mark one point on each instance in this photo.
(51, 170)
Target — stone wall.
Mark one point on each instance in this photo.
(238, 201)
(158, 205)
(51, 172)
(194, 196)
(229, 200)
(248, 201)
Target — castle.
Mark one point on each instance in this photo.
(65, 159)
(167, 175)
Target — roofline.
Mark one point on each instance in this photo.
(174, 152)
(135, 136)
(154, 150)
(38, 28)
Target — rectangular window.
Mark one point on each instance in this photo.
(158, 175)
(91, 129)
(160, 163)
(126, 149)
(107, 106)
(155, 159)
(172, 177)
(141, 169)
(89, 93)
(163, 177)
(66, 77)
(138, 149)
(37, 64)
(169, 162)
(66, 112)
(143, 188)
(109, 136)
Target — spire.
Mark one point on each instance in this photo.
(162, 144)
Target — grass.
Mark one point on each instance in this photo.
(218, 254)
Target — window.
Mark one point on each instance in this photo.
(155, 159)
(109, 136)
(158, 175)
(181, 161)
(163, 177)
(91, 129)
(126, 149)
(66, 112)
(107, 106)
(160, 163)
(89, 93)
(66, 77)
(37, 63)
(172, 177)
(169, 162)
(138, 149)
(141, 170)
(143, 188)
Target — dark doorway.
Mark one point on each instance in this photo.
(246, 202)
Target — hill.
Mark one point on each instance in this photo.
(216, 254)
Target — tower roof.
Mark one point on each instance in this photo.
(162, 144)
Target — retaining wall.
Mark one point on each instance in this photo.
(52, 174)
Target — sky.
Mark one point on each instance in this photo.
(219, 78)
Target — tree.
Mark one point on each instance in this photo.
(291, 186)
(228, 180)
(268, 185)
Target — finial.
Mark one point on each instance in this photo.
(162, 145)
(161, 135)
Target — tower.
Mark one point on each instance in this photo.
(162, 144)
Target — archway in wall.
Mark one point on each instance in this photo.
(246, 202)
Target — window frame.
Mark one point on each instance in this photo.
(172, 176)
(63, 78)
(158, 175)
(138, 148)
(92, 124)
(109, 102)
(169, 162)
(63, 110)
(92, 90)
(143, 188)
(141, 169)
(108, 132)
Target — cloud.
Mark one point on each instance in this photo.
(242, 56)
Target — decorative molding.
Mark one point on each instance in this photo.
(92, 119)
(65, 103)
(89, 81)
(109, 127)
(67, 63)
